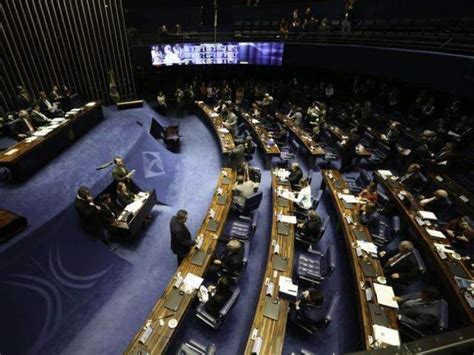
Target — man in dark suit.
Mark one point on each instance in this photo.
(304, 309)
(108, 212)
(120, 173)
(400, 265)
(23, 100)
(348, 151)
(88, 212)
(237, 156)
(412, 179)
(181, 241)
(420, 310)
(221, 295)
(310, 229)
(38, 118)
(296, 174)
(231, 260)
(48, 108)
(23, 127)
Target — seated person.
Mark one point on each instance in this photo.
(230, 261)
(369, 194)
(88, 211)
(220, 294)
(249, 145)
(296, 174)
(243, 189)
(124, 195)
(310, 229)
(23, 99)
(38, 118)
(415, 310)
(108, 212)
(412, 179)
(24, 127)
(307, 301)
(48, 108)
(369, 215)
(438, 203)
(303, 197)
(280, 135)
(400, 265)
(459, 230)
(393, 134)
(120, 173)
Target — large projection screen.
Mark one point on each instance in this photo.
(257, 53)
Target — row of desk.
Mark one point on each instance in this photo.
(366, 268)
(463, 199)
(312, 147)
(157, 331)
(447, 267)
(226, 140)
(26, 157)
(262, 136)
(268, 334)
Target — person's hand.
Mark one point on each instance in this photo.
(382, 253)
(396, 298)
(462, 238)
(450, 233)
(395, 276)
(217, 262)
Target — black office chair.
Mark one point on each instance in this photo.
(314, 266)
(367, 139)
(235, 275)
(251, 204)
(358, 184)
(318, 317)
(287, 154)
(379, 154)
(386, 230)
(307, 244)
(244, 227)
(216, 322)
(192, 347)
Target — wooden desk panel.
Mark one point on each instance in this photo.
(331, 178)
(161, 336)
(393, 189)
(311, 146)
(273, 331)
(226, 140)
(456, 192)
(29, 157)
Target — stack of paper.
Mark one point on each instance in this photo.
(349, 198)
(435, 234)
(287, 219)
(427, 215)
(223, 130)
(384, 335)
(385, 295)
(385, 173)
(192, 281)
(368, 247)
(286, 194)
(12, 151)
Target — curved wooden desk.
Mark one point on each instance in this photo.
(272, 331)
(161, 335)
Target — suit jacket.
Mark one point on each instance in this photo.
(107, 214)
(22, 102)
(233, 261)
(37, 119)
(405, 266)
(238, 155)
(349, 147)
(216, 302)
(295, 177)
(312, 229)
(125, 198)
(89, 216)
(181, 241)
(419, 314)
(119, 173)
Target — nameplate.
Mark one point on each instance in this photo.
(378, 315)
(283, 228)
(174, 300)
(212, 225)
(279, 263)
(272, 308)
(282, 202)
(198, 258)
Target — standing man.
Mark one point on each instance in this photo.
(181, 241)
(120, 173)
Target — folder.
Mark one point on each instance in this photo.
(279, 263)
(212, 225)
(283, 229)
(361, 235)
(198, 258)
(221, 199)
(378, 315)
(282, 202)
(225, 181)
(272, 308)
(348, 206)
(458, 271)
(368, 270)
(174, 300)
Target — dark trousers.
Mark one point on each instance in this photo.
(180, 258)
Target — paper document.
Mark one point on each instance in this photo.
(349, 198)
(223, 130)
(386, 335)
(427, 215)
(192, 281)
(282, 173)
(31, 139)
(435, 234)
(11, 151)
(443, 248)
(135, 206)
(463, 198)
(286, 194)
(41, 133)
(385, 173)
(90, 104)
(368, 247)
(385, 295)
(287, 219)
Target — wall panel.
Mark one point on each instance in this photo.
(63, 42)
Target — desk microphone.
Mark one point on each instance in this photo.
(103, 166)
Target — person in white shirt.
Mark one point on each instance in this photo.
(38, 118)
(243, 190)
(162, 106)
(303, 198)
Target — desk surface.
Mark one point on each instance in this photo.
(340, 135)
(261, 133)
(336, 185)
(273, 331)
(456, 192)
(225, 139)
(393, 189)
(161, 336)
(313, 148)
(23, 147)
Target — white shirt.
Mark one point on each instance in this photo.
(304, 198)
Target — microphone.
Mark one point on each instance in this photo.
(139, 123)
(103, 166)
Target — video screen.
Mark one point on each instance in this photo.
(259, 53)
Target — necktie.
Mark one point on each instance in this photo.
(29, 125)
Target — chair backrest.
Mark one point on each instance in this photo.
(382, 198)
(230, 302)
(295, 146)
(395, 226)
(330, 260)
(368, 137)
(443, 315)
(383, 148)
(365, 178)
(310, 176)
(253, 202)
(246, 255)
(332, 308)
(419, 261)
